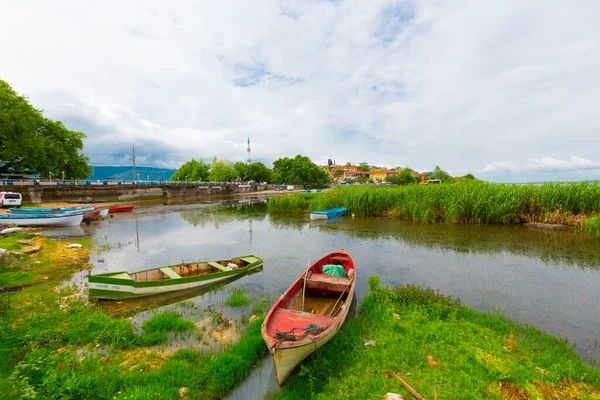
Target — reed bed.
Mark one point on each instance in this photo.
(468, 202)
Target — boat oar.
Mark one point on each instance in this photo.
(339, 298)
(304, 288)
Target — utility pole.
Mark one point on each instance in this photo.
(133, 150)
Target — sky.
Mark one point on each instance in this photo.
(505, 90)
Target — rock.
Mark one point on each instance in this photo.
(34, 234)
(74, 246)
(31, 249)
(3, 254)
(253, 318)
(10, 230)
(28, 242)
(392, 396)
(37, 262)
(369, 343)
(183, 392)
(16, 253)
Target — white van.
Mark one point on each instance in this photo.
(10, 199)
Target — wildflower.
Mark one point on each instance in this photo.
(70, 361)
(107, 359)
(61, 363)
(59, 368)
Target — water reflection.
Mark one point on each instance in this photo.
(544, 278)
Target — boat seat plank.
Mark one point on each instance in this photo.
(285, 319)
(327, 282)
(122, 275)
(339, 258)
(218, 266)
(170, 273)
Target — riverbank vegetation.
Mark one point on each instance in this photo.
(55, 344)
(462, 202)
(441, 349)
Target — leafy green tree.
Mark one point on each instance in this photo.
(299, 170)
(220, 172)
(258, 172)
(469, 176)
(28, 141)
(242, 170)
(348, 164)
(404, 177)
(192, 171)
(439, 173)
(363, 166)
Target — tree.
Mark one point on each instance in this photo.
(219, 172)
(258, 172)
(299, 170)
(404, 177)
(241, 168)
(30, 142)
(469, 176)
(363, 166)
(440, 174)
(348, 164)
(192, 171)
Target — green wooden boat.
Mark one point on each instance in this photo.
(125, 285)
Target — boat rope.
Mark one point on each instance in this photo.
(311, 329)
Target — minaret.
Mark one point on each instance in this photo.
(248, 150)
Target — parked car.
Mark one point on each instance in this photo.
(290, 187)
(10, 199)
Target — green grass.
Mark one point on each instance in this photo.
(237, 298)
(466, 202)
(592, 226)
(431, 341)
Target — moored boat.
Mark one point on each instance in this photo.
(116, 209)
(103, 212)
(91, 215)
(124, 285)
(310, 312)
(48, 210)
(42, 219)
(331, 213)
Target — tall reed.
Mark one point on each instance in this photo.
(467, 202)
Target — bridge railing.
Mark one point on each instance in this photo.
(106, 182)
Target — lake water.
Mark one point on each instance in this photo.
(549, 279)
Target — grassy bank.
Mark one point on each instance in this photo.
(55, 345)
(439, 347)
(470, 202)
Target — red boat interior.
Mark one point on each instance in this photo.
(317, 301)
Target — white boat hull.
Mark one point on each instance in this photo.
(286, 359)
(103, 212)
(314, 216)
(63, 220)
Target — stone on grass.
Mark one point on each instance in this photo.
(74, 246)
(10, 230)
(31, 249)
(392, 396)
(16, 253)
(3, 254)
(28, 242)
(183, 392)
(253, 318)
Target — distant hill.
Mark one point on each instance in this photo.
(125, 172)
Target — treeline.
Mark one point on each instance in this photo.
(576, 204)
(299, 170)
(31, 143)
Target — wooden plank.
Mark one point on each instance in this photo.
(218, 266)
(170, 273)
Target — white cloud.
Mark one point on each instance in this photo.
(457, 83)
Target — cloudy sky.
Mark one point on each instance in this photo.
(507, 90)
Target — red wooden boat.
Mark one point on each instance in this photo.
(116, 209)
(310, 312)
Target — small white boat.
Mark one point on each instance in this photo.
(103, 212)
(325, 214)
(42, 219)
